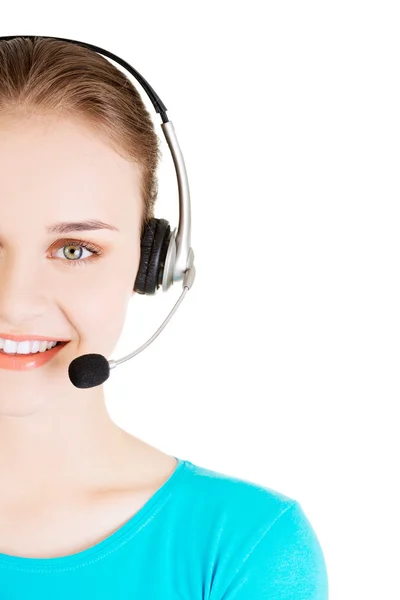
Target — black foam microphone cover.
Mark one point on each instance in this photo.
(89, 370)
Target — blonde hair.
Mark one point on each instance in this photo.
(48, 76)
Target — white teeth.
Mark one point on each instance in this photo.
(11, 347)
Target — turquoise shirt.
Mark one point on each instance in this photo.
(202, 536)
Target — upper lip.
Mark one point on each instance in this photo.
(29, 337)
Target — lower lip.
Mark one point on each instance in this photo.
(25, 362)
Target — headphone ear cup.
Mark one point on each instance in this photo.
(153, 250)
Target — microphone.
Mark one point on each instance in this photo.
(91, 370)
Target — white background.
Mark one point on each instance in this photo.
(281, 365)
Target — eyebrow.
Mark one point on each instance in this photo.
(67, 226)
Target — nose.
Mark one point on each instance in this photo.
(22, 292)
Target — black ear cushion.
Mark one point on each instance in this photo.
(153, 250)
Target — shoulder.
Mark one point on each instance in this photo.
(257, 541)
(240, 501)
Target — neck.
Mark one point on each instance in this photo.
(77, 447)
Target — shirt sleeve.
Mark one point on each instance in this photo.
(286, 564)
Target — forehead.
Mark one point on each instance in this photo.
(48, 161)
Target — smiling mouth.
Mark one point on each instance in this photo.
(34, 353)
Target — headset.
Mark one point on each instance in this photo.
(165, 257)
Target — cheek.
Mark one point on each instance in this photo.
(97, 302)
(98, 317)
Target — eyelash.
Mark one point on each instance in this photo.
(88, 245)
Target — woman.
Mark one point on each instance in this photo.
(88, 510)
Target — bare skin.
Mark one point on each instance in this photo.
(51, 525)
(69, 476)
